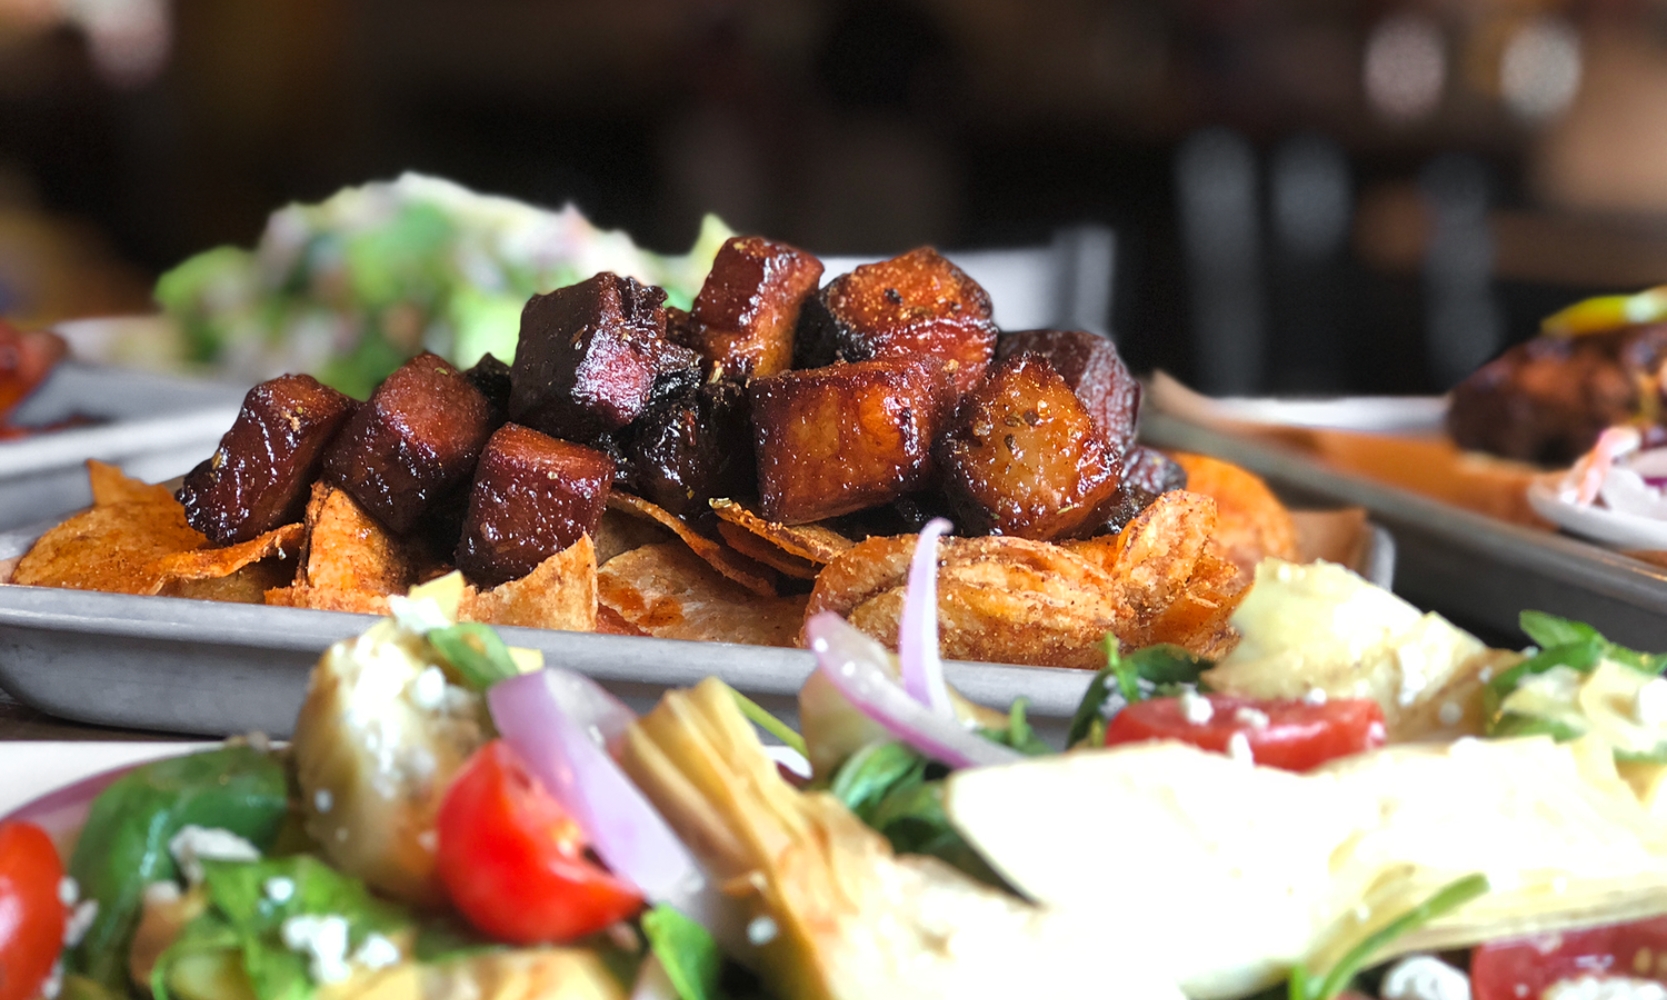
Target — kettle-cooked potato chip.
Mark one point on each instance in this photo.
(733, 565)
(666, 591)
(115, 548)
(559, 594)
(814, 542)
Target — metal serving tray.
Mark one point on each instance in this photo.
(1475, 570)
(153, 426)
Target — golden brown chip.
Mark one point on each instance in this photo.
(1251, 522)
(620, 531)
(349, 552)
(666, 591)
(754, 547)
(246, 586)
(1153, 557)
(113, 548)
(747, 572)
(213, 563)
(814, 542)
(111, 485)
(559, 594)
(1198, 618)
(301, 596)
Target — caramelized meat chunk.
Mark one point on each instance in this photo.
(838, 439)
(259, 476)
(491, 377)
(1147, 475)
(749, 306)
(916, 305)
(593, 356)
(1093, 369)
(1023, 456)
(692, 448)
(417, 436)
(534, 496)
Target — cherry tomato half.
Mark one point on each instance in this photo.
(513, 860)
(1294, 735)
(31, 914)
(1525, 967)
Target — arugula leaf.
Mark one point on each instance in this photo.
(476, 652)
(1018, 733)
(759, 716)
(872, 772)
(686, 951)
(1306, 986)
(1089, 710)
(1154, 671)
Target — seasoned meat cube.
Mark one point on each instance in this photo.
(534, 495)
(593, 356)
(491, 377)
(915, 305)
(1147, 475)
(417, 436)
(749, 307)
(1093, 369)
(1023, 457)
(259, 476)
(688, 450)
(837, 439)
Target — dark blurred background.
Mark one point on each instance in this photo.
(1307, 195)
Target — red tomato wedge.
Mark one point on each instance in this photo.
(1294, 735)
(513, 860)
(1512, 970)
(31, 914)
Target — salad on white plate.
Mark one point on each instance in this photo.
(1616, 493)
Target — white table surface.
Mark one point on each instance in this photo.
(31, 768)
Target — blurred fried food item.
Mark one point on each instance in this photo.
(110, 485)
(732, 564)
(351, 563)
(755, 547)
(26, 359)
(116, 548)
(560, 594)
(817, 543)
(216, 563)
(1251, 522)
(664, 590)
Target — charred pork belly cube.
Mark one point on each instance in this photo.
(417, 437)
(693, 448)
(1147, 475)
(838, 439)
(1023, 456)
(916, 305)
(261, 474)
(491, 377)
(593, 356)
(534, 496)
(749, 307)
(1093, 369)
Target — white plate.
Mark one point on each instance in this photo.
(1625, 531)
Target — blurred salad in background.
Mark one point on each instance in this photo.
(349, 288)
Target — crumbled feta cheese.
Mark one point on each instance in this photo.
(1255, 718)
(193, 845)
(1605, 988)
(1450, 713)
(1315, 696)
(1238, 748)
(69, 891)
(323, 800)
(1415, 673)
(419, 615)
(1195, 708)
(1420, 977)
(376, 952)
(279, 889)
(761, 931)
(161, 893)
(80, 921)
(324, 941)
(54, 981)
(1649, 705)
(1560, 684)
(428, 690)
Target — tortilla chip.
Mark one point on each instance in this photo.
(350, 552)
(813, 542)
(114, 548)
(559, 594)
(111, 485)
(748, 573)
(213, 563)
(754, 547)
(664, 590)
(1251, 522)
(247, 585)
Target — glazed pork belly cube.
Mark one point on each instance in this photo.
(534, 495)
(1147, 475)
(846, 437)
(694, 447)
(1023, 456)
(593, 356)
(916, 305)
(1093, 369)
(413, 441)
(262, 473)
(748, 308)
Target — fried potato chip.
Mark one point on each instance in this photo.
(350, 552)
(1251, 522)
(754, 547)
(1000, 599)
(814, 542)
(733, 565)
(248, 585)
(559, 594)
(664, 590)
(1153, 557)
(611, 622)
(213, 563)
(619, 531)
(361, 602)
(114, 548)
(1198, 617)
(111, 485)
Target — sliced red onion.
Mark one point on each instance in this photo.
(917, 634)
(856, 665)
(559, 723)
